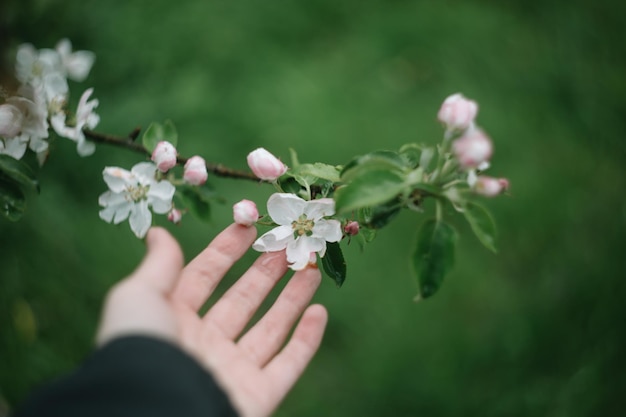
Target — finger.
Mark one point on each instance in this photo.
(201, 276)
(285, 369)
(266, 338)
(162, 264)
(237, 306)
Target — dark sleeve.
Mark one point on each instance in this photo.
(132, 376)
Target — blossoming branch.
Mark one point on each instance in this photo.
(316, 208)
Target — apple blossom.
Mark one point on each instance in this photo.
(175, 216)
(195, 171)
(76, 64)
(85, 118)
(164, 156)
(11, 120)
(489, 186)
(473, 149)
(351, 228)
(245, 213)
(265, 165)
(457, 112)
(14, 147)
(302, 228)
(130, 195)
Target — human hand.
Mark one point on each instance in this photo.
(162, 299)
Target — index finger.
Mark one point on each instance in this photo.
(200, 277)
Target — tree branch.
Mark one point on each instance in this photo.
(129, 143)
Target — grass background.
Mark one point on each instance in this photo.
(535, 330)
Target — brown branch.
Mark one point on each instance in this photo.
(129, 143)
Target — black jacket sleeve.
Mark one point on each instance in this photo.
(132, 376)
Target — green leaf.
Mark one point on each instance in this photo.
(375, 161)
(433, 256)
(411, 154)
(19, 172)
(169, 133)
(12, 200)
(482, 224)
(369, 189)
(158, 132)
(197, 204)
(319, 170)
(334, 263)
(152, 136)
(294, 158)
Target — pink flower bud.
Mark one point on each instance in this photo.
(352, 228)
(490, 187)
(265, 165)
(473, 149)
(195, 171)
(245, 213)
(11, 120)
(164, 156)
(175, 216)
(457, 112)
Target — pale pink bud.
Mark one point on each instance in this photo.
(195, 171)
(457, 112)
(473, 149)
(164, 156)
(490, 187)
(175, 216)
(352, 228)
(245, 213)
(265, 165)
(11, 120)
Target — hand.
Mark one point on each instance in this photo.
(162, 299)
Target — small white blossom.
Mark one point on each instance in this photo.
(85, 118)
(130, 195)
(75, 64)
(14, 147)
(302, 228)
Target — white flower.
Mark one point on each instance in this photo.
(85, 118)
(131, 193)
(302, 228)
(75, 64)
(33, 65)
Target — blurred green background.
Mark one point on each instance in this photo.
(536, 330)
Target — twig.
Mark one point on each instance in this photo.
(129, 143)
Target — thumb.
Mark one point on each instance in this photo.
(163, 262)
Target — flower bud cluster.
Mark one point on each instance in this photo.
(42, 97)
(473, 148)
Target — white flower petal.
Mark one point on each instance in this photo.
(284, 208)
(79, 64)
(15, 147)
(274, 240)
(140, 219)
(144, 171)
(316, 209)
(107, 214)
(329, 230)
(118, 179)
(299, 251)
(163, 190)
(85, 147)
(109, 198)
(122, 211)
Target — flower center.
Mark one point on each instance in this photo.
(137, 193)
(302, 226)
